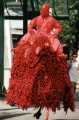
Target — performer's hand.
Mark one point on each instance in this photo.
(46, 45)
(38, 49)
(32, 31)
(54, 32)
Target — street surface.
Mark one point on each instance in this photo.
(13, 113)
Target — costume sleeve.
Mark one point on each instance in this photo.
(56, 26)
(56, 46)
(32, 25)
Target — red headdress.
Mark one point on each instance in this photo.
(44, 10)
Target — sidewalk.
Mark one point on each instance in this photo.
(13, 113)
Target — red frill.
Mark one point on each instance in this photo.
(39, 80)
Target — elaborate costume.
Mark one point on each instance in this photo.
(39, 75)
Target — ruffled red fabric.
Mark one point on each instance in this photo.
(39, 79)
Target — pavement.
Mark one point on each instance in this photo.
(8, 112)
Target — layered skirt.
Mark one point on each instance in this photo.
(39, 78)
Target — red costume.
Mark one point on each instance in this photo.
(39, 75)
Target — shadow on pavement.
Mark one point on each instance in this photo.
(6, 109)
(9, 115)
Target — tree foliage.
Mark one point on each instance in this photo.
(70, 34)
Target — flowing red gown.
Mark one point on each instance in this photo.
(39, 74)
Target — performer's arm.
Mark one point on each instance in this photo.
(32, 25)
(56, 27)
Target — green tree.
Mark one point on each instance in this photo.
(74, 22)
